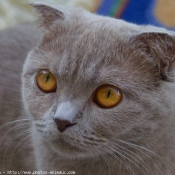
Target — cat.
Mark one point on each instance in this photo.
(96, 95)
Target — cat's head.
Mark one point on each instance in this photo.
(93, 80)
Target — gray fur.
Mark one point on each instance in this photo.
(85, 51)
(15, 44)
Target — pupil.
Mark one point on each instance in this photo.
(109, 93)
(47, 78)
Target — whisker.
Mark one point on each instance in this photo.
(14, 154)
(18, 126)
(134, 145)
(9, 144)
(145, 166)
(105, 159)
(11, 122)
(122, 155)
(137, 147)
(119, 159)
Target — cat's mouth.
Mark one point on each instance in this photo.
(64, 147)
(68, 144)
(72, 147)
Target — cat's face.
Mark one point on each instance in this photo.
(84, 53)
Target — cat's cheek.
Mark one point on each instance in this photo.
(109, 123)
(97, 122)
(37, 102)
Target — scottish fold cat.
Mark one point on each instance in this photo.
(95, 95)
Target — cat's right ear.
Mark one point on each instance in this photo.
(160, 48)
(48, 16)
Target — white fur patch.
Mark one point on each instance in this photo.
(66, 111)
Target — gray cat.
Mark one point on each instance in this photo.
(98, 96)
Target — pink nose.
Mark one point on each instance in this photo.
(63, 124)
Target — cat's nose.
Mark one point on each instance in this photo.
(63, 124)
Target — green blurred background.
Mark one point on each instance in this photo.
(15, 11)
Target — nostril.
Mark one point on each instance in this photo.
(63, 124)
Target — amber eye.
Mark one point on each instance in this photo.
(107, 96)
(46, 81)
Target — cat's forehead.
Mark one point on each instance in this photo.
(86, 49)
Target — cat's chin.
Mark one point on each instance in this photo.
(68, 150)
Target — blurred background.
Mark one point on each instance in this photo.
(156, 12)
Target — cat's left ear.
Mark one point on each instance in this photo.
(161, 47)
(48, 15)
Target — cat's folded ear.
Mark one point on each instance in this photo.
(161, 48)
(48, 16)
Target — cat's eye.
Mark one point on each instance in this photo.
(107, 96)
(46, 81)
